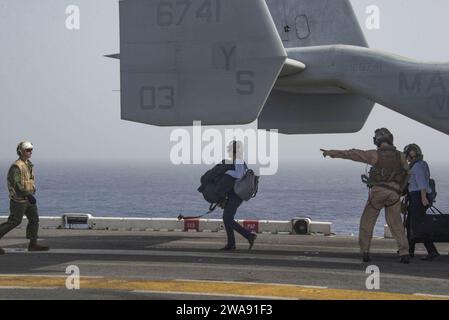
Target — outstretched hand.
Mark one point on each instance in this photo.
(325, 153)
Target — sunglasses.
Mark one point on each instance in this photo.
(29, 150)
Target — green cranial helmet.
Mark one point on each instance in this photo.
(382, 135)
(413, 147)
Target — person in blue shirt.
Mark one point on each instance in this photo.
(233, 202)
(418, 190)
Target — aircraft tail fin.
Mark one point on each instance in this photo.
(293, 113)
(318, 108)
(189, 60)
(305, 23)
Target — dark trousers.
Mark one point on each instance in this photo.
(416, 210)
(228, 218)
(17, 211)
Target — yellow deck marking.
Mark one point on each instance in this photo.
(211, 287)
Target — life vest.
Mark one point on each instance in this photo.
(388, 169)
(27, 180)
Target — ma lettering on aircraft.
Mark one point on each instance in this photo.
(298, 66)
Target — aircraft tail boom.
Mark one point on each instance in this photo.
(414, 89)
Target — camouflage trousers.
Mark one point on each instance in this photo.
(17, 211)
(382, 198)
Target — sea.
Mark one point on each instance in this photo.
(332, 193)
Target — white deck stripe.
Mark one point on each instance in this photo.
(254, 283)
(431, 295)
(210, 294)
(231, 255)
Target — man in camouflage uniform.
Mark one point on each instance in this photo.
(21, 187)
(387, 180)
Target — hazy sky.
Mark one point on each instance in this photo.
(57, 89)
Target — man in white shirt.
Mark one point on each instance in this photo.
(232, 203)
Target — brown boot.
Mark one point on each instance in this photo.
(2, 251)
(33, 246)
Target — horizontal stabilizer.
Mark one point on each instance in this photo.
(113, 56)
(188, 60)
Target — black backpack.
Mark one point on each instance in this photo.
(215, 184)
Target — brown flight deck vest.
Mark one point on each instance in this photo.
(388, 172)
(27, 180)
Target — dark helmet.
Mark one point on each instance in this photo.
(413, 147)
(382, 135)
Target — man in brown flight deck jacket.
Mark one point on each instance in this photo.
(22, 188)
(387, 179)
